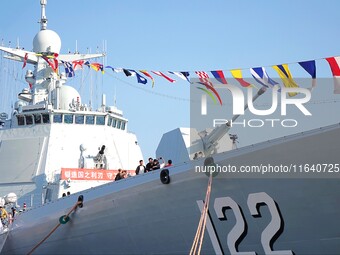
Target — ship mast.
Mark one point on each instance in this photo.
(43, 20)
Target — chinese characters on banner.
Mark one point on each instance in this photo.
(90, 174)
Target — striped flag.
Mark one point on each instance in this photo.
(78, 64)
(204, 79)
(25, 60)
(261, 76)
(286, 77)
(52, 61)
(127, 72)
(116, 70)
(140, 78)
(219, 76)
(182, 75)
(110, 68)
(237, 74)
(163, 75)
(97, 67)
(186, 74)
(148, 75)
(334, 63)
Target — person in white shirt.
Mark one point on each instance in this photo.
(141, 168)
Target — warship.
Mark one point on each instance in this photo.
(59, 159)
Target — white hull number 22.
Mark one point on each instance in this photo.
(238, 232)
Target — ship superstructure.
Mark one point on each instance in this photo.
(51, 138)
(59, 157)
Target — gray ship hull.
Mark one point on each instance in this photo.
(248, 214)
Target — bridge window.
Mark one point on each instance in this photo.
(29, 119)
(79, 119)
(109, 121)
(89, 120)
(68, 118)
(114, 123)
(46, 118)
(21, 120)
(100, 120)
(119, 124)
(37, 118)
(57, 118)
(123, 125)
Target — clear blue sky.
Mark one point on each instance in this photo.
(180, 35)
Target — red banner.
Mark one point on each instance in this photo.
(90, 174)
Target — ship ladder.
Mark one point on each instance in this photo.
(62, 220)
(198, 240)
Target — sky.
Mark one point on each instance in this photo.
(181, 35)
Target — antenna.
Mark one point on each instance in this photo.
(105, 50)
(43, 20)
(115, 98)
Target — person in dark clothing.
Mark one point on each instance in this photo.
(141, 168)
(156, 164)
(118, 175)
(149, 165)
(14, 211)
(123, 174)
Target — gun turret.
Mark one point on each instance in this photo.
(210, 140)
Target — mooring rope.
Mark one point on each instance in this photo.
(65, 218)
(198, 240)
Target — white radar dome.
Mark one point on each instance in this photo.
(68, 95)
(47, 41)
(11, 198)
